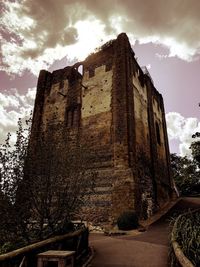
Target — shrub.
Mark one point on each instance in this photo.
(186, 233)
(127, 221)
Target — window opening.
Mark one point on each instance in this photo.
(158, 133)
(80, 69)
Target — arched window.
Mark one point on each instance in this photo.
(158, 133)
(80, 69)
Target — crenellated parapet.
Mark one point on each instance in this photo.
(110, 106)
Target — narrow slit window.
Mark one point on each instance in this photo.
(73, 117)
(158, 133)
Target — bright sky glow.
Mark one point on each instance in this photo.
(91, 35)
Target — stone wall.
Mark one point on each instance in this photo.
(113, 110)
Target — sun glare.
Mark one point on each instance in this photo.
(90, 35)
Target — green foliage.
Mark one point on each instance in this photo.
(187, 234)
(8, 246)
(186, 171)
(127, 221)
(57, 183)
(185, 174)
(41, 188)
(195, 147)
(12, 160)
(13, 213)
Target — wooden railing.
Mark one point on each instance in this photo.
(27, 256)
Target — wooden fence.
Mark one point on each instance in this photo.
(27, 256)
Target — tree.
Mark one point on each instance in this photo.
(195, 147)
(12, 160)
(185, 174)
(12, 213)
(42, 187)
(58, 184)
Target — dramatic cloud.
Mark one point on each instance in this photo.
(36, 33)
(182, 129)
(12, 107)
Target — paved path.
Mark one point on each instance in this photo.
(148, 249)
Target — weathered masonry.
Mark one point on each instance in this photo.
(114, 110)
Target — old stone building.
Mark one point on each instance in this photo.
(111, 107)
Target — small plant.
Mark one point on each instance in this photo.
(187, 234)
(127, 221)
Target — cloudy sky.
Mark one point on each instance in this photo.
(49, 34)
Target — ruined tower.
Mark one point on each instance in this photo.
(114, 110)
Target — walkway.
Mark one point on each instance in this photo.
(148, 249)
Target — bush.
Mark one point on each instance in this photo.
(127, 221)
(186, 233)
